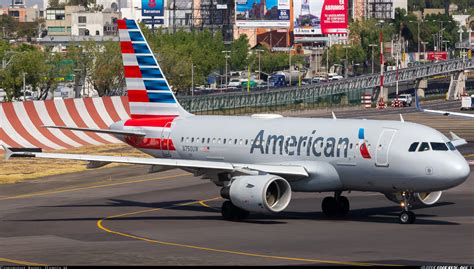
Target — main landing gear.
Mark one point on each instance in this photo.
(231, 212)
(335, 206)
(406, 216)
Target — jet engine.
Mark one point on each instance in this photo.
(259, 193)
(418, 198)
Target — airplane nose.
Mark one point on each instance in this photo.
(459, 171)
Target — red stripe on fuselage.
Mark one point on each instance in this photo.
(138, 96)
(132, 71)
(150, 143)
(154, 121)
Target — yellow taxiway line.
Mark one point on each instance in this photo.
(89, 187)
(20, 262)
(100, 225)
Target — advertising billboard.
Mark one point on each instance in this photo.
(153, 8)
(437, 55)
(262, 13)
(320, 17)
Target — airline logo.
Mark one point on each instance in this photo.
(364, 151)
(149, 93)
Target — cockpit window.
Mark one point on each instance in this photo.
(451, 146)
(439, 146)
(424, 147)
(413, 147)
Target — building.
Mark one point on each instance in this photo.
(85, 23)
(21, 13)
(59, 20)
(378, 9)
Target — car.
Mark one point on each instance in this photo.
(234, 82)
(406, 99)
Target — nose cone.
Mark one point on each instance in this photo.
(459, 170)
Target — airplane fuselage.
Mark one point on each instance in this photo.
(339, 154)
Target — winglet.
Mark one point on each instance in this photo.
(8, 152)
(333, 115)
(417, 102)
(456, 140)
(401, 118)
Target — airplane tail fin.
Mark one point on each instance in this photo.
(149, 93)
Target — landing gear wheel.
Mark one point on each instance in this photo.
(407, 217)
(230, 212)
(344, 205)
(329, 206)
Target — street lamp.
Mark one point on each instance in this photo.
(345, 62)
(24, 86)
(418, 33)
(289, 65)
(372, 45)
(259, 63)
(424, 49)
(227, 56)
(192, 79)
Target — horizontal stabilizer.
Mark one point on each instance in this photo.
(103, 131)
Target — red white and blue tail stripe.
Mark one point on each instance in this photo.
(149, 93)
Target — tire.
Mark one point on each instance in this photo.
(344, 205)
(329, 206)
(407, 217)
(227, 210)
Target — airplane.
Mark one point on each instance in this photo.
(442, 112)
(258, 161)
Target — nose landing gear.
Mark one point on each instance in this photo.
(406, 216)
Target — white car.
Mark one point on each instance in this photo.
(406, 99)
(234, 82)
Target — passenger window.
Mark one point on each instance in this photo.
(203, 140)
(182, 139)
(192, 140)
(246, 141)
(213, 141)
(413, 147)
(350, 146)
(218, 141)
(451, 146)
(225, 139)
(187, 139)
(208, 140)
(424, 147)
(235, 141)
(439, 146)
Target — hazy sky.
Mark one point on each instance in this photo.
(29, 3)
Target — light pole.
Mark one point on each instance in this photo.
(345, 62)
(259, 62)
(418, 34)
(424, 49)
(372, 45)
(24, 86)
(192, 79)
(227, 56)
(289, 66)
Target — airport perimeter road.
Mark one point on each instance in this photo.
(125, 216)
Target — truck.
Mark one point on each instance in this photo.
(467, 102)
(282, 78)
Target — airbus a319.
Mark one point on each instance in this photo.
(259, 160)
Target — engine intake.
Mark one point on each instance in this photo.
(260, 194)
(418, 198)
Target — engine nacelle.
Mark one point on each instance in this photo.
(260, 194)
(418, 198)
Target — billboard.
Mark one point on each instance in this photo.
(153, 8)
(320, 17)
(262, 13)
(437, 55)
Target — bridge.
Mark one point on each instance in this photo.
(345, 91)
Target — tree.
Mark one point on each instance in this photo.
(239, 53)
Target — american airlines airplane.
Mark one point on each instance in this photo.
(259, 160)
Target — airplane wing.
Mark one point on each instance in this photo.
(291, 170)
(103, 131)
(441, 112)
